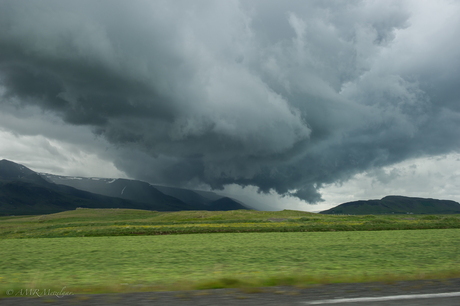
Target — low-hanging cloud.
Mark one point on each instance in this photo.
(285, 96)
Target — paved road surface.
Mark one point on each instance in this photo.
(413, 293)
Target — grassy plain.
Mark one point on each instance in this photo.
(122, 222)
(202, 261)
(123, 250)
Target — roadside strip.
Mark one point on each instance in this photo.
(385, 298)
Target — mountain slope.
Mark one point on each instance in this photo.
(12, 171)
(396, 205)
(225, 204)
(23, 191)
(190, 196)
(174, 198)
(22, 198)
(126, 189)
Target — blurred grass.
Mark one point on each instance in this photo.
(279, 248)
(118, 264)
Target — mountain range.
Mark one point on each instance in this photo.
(396, 205)
(23, 191)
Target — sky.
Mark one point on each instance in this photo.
(287, 104)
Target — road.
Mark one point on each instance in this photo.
(408, 293)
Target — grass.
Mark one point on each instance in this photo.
(129, 222)
(116, 250)
(115, 264)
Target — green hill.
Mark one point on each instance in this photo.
(396, 205)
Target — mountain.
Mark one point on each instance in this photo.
(23, 191)
(164, 198)
(125, 189)
(190, 196)
(207, 197)
(225, 204)
(13, 171)
(396, 205)
(210, 200)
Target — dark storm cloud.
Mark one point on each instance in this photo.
(282, 95)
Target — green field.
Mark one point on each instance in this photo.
(307, 249)
(219, 260)
(121, 222)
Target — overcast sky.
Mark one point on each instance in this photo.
(311, 103)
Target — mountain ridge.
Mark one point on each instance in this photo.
(24, 191)
(180, 199)
(395, 204)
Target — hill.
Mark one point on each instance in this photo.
(396, 205)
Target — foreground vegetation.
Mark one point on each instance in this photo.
(122, 222)
(89, 254)
(95, 264)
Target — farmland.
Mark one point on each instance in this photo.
(125, 222)
(128, 250)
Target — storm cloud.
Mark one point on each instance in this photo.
(282, 95)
